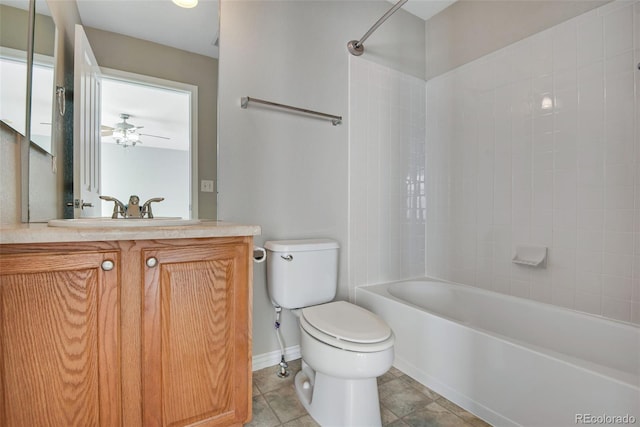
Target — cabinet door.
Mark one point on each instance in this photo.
(59, 351)
(196, 335)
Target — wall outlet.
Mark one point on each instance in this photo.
(206, 186)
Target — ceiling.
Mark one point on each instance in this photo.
(161, 21)
(162, 113)
(425, 9)
(194, 30)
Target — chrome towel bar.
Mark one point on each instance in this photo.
(335, 120)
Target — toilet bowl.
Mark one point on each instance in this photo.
(340, 362)
(344, 347)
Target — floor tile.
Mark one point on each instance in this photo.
(267, 379)
(434, 415)
(387, 416)
(404, 402)
(263, 416)
(421, 388)
(400, 398)
(285, 403)
(305, 421)
(397, 423)
(460, 412)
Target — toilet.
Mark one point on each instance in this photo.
(344, 347)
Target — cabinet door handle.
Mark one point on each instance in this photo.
(107, 265)
(152, 262)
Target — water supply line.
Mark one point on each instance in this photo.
(356, 47)
(284, 371)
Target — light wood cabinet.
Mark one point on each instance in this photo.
(161, 339)
(59, 340)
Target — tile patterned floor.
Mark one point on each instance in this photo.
(403, 402)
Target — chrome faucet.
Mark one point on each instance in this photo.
(118, 208)
(146, 208)
(132, 210)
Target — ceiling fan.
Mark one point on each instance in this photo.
(125, 133)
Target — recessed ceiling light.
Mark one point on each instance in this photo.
(186, 3)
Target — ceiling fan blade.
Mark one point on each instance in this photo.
(105, 127)
(154, 136)
(106, 132)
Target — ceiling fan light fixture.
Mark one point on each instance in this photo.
(188, 4)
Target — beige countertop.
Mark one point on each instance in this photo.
(42, 233)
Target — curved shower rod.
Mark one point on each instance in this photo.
(356, 47)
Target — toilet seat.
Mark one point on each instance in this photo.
(347, 326)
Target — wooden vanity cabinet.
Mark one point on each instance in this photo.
(160, 339)
(59, 339)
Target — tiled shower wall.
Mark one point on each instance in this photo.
(386, 174)
(539, 144)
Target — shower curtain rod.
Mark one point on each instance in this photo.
(356, 47)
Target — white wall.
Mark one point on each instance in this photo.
(387, 200)
(285, 172)
(503, 171)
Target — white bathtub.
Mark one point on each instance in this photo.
(509, 360)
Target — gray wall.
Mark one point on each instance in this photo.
(9, 175)
(142, 57)
(470, 29)
(285, 172)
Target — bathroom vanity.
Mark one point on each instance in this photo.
(146, 326)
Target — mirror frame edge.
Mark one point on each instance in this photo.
(26, 142)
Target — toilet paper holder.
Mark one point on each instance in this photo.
(259, 254)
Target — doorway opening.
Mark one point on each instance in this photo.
(148, 142)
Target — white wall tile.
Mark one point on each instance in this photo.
(561, 172)
(618, 30)
(616, 309)
(589, 282)
(565, 46)
(590, 38)
(387, 204)
(589, 303)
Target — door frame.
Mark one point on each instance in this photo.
(127, 76)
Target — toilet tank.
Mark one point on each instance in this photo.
(301, 273)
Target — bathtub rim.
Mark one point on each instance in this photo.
(477, 289)
(628, 379)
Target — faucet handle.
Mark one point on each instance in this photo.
(118, 206)
(146, 208)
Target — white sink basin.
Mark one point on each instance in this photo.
(121, 222)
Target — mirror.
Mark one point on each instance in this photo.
(161, 41)
(14, 17)
(43, 83)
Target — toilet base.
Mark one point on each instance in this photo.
(338, 402)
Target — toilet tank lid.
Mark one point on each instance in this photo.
(300, 245)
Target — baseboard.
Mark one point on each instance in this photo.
(272, 358)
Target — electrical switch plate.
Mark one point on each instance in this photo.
(206, 186)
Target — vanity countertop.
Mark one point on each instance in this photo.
(42, 233)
